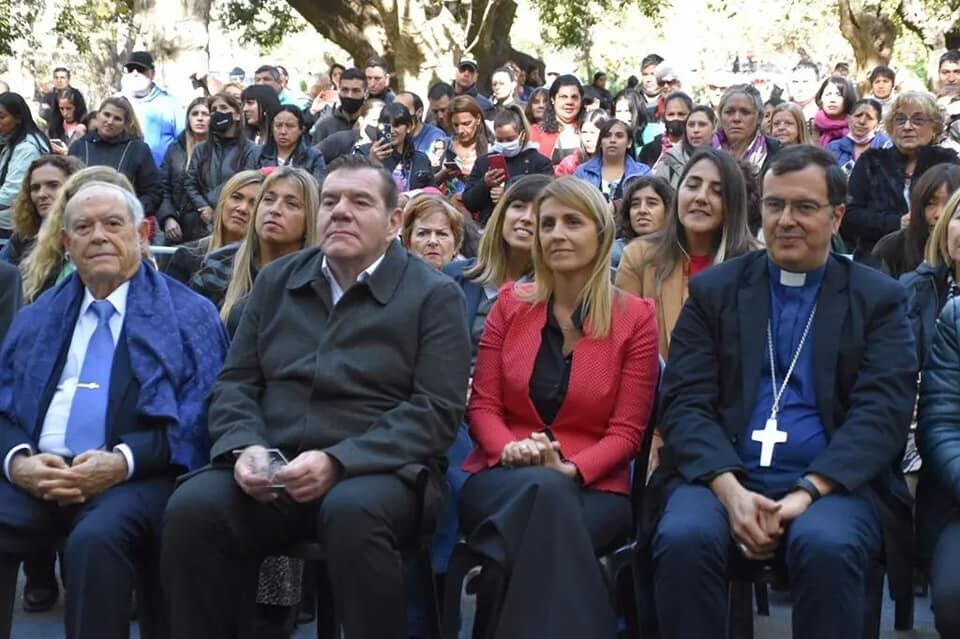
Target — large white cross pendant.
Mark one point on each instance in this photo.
(768, 438)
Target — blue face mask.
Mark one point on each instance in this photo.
(507, 149)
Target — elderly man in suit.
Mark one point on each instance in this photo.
(351, 359)
(787, 401)
(103, 384)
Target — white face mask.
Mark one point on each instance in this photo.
(508, 149)
(135, 84)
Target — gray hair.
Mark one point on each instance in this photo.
(134, 208)
(743, 89)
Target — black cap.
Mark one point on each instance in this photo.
(237, 71)
(468, 62)
(140, 60)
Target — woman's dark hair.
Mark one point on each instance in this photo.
(872, 103)
(513, 116)
(679, 95)
(633, 82)
(396, 114)
(537, 93)
(752, 182)
(773, 101)
(734, 238)
(708, 111)
(206, 153)
(637, 105)
(56, 128)
(550, 122)
(336, 65)
(269, 105)
(882, 71)
(846, 89)
(16, 106)
(606, 130)
(270, 148)
(660, 186)
(921, 193)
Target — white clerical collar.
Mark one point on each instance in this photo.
(793, 280)
(118, 299)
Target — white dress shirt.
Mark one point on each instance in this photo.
(54, 430)
(336, 292)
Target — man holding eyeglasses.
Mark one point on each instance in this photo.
(787, 400)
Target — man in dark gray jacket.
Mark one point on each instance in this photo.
(10, 296)
(352, 360)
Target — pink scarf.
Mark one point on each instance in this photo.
(830, 129)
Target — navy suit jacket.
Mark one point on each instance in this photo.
(170, 350)
(865, 368)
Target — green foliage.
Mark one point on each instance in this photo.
(16, 23)
(262, 22)
(79, 20)
(567, 23)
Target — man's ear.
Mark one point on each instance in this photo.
(395, 221)
(838, 212)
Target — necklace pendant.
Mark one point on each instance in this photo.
(768, 438)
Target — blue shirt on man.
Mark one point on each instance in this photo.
(792, 298)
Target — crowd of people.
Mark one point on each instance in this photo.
(380, 319)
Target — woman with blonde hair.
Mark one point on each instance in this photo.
(285, 221)
(231, 218)
(47, 263)
(562, 392)
(44, 179)
(883, 178)
(787, 125)
(707, 225)
(432, 230)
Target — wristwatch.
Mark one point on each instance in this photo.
(808, 487)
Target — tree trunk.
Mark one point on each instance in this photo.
(422, 41)
(870, 33)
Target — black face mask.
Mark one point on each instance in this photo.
(220, 121)
(674, 128)
(351, 105)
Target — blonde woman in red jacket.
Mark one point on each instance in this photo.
(562, 391)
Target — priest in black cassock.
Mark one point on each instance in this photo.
(787, 401)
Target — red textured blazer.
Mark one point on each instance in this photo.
(612, 386)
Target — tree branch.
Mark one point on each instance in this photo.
(483, 23)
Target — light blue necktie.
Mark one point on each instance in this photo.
(87, 424)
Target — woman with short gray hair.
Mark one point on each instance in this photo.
(739, 133)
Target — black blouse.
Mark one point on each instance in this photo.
(551, 371)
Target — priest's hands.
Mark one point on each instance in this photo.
(48, 477)
(754, 519)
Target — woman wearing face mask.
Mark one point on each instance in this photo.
(65, 120)
(864, 133)
(44, 179)
(486, 185)
(364, 131)
(393, 147)
(787, 126)
(468, 142)
(559, 134)
(260, 104)
(881, 181)
(290, 145)
(676, 107)
(612, 166)
(589, 135)
(537, 106)
(225, 152)
(178, 217)
(707, 225)
(118, 143)
(698, 134)
(902, 251)
(230, 220)
(642, 212)
(835, 99)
